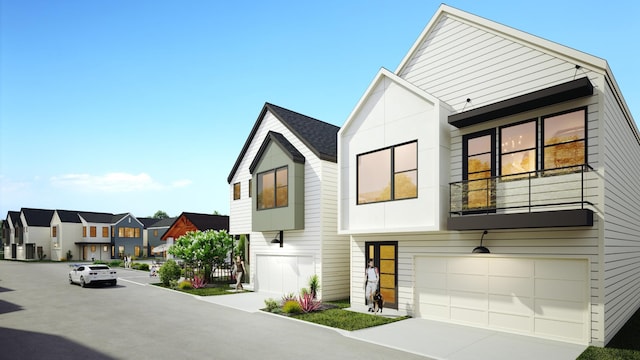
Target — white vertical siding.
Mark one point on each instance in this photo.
(622, 221)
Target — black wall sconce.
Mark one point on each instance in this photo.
(279, 239)
(481, 249)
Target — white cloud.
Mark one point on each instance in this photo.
(113, 182)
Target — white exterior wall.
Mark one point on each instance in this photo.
(318, 239)
(621, 158)
(393, 113)
(458, 59)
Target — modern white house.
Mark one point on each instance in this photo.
(283, 199)
(493, 178)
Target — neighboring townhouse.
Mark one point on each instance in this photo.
(66, 232)
(154, 232)
(126, 236)
(32, 234)
(283, 199)
(9, 235)
(96, 240)
(493, 179)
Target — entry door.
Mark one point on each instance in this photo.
(384, 255)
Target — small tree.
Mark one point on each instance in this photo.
(169, 271)
(203, 250)
(160, 215)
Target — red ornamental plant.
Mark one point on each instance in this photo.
(198, 282)
(308, 303)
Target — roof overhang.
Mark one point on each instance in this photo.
(549, 96)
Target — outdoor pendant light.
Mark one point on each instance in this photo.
(481, 249)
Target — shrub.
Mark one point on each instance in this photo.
(185, 285)
(198, 282)
(314, 285)
(308, 303)
(272, 305)
(288, 297)
(173, 284)
(292, 307)
(140, 266)
(169, 271)
(115, 263)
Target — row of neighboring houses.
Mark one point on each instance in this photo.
(492, 177)
(58, 235)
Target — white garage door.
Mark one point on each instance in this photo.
(283, 274)
(541, 297)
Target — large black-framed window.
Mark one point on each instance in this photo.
(273, 188)
(564, 139)
(388, 174)
(478, 169)
(518, 148)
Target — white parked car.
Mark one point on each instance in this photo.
(91, 274)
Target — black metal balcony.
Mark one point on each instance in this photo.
(547, 198)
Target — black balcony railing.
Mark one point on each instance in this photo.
(559, 188)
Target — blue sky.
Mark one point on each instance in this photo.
(138, 106)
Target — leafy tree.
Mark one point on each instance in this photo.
(160, 215)
(203, 250)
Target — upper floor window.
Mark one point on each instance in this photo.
(128, 232)
(105, 231)
(54, 231)
(84, 231)
(388, 174)
(92, 231)
(518, 153)
(250, 183)
(564, 139)
(273, 188)
(236, 191)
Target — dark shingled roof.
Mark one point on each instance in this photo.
(38, 217)
(163, 222)
(208, 222)
(68, 216)
(147, 221)
(94, 217)
(278, 138)
(319, 136)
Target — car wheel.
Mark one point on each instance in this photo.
(114, 282)
(82, 283)
(70, 281)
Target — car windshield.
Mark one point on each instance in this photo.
(99, 267)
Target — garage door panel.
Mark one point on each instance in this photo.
(283, 274)
(469, 316)
(434, 296)
(434, 280)
(434, 312)
(467, 282)
(560, 329)
(512, 322)
(511, 268)
(521, 306)
(560, 289)
(566, 270)
(467, 266)
(510, 286)
(469, 300)
(560, 310)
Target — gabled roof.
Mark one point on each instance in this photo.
(12, 216)
(284, 144)
(186, 221)
(577, 57)
(69, 216)
(95, 217)
(319, 136)
(147, 221)
(37, 217)
(162, 223)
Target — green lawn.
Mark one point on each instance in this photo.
(624, 346)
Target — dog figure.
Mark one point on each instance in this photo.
(378, 302)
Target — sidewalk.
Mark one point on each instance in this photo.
(432, 339)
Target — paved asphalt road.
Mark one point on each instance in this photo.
(43, 317)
